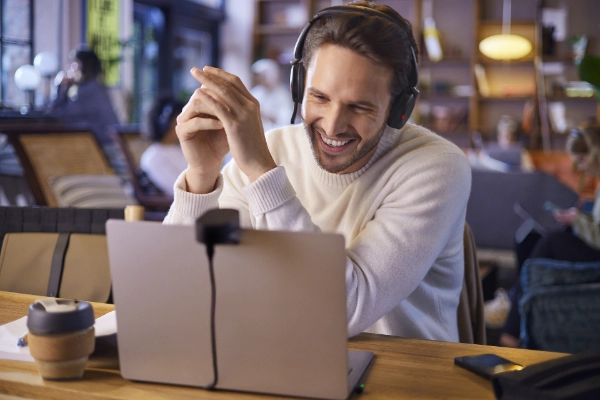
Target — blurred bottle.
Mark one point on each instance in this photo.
(432, 40)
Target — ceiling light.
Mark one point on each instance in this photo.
(505, 46)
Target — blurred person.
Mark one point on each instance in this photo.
(272, 94)
(506, 154)
(163, 161)
(82, 97)
(578, 242)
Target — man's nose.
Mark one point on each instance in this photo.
(335, 120)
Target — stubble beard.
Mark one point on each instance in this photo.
(358, 154)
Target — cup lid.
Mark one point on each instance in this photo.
(49, 315)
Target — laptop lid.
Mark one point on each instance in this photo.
(280, 310)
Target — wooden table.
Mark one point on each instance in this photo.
(403, 368)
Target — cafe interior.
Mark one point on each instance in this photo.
(513, 84)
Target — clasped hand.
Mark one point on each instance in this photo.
(221, 116)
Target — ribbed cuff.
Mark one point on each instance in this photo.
(191, 204)
(269, 191)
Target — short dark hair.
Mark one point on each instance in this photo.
(163, 111)
(91, 66)
(378, 39)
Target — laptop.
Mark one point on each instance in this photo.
(280, 318)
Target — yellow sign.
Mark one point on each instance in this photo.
(103, 36)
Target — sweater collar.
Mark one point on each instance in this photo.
(340, 180)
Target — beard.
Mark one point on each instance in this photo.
(338, 164)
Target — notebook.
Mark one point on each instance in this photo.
(280, 310)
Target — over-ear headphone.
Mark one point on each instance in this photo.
(402, 105)
(163, 111)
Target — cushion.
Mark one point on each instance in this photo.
(91, 191)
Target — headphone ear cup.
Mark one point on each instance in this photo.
(401, 110)
(297, 82)
(299, 77)
(294, 82)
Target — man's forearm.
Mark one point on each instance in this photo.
(188, 206)
(198, 182)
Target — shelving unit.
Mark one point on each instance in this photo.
(516, 88)
(581, 19)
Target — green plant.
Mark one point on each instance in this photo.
(589, 71)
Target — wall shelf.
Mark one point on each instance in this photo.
(516, 87)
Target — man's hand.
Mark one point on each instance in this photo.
(224, 96)
(203, 142)
(565, 217)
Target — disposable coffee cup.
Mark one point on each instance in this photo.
(61, 337)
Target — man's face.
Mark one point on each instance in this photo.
(345, 107)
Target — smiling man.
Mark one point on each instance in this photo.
(396, 191)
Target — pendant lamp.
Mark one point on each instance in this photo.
(505, 46)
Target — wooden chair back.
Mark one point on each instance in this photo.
(471, 320)
(132, 144)
(52, 154)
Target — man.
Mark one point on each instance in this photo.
(398, 196)
(81, 96)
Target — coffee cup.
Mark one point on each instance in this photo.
(61, 337)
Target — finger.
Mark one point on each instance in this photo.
(221, 89)
(216, 107)
(187, 130)
(194, 108)
(232, 79)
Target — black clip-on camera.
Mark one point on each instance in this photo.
(218, 226)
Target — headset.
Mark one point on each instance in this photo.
(402, 105)
(162, 114)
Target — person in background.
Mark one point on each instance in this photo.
(272, 94)
(506, 154)
(163, 161)
(579, 242)
(81, 97)
(396, 191)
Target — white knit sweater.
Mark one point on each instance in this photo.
(402, 216)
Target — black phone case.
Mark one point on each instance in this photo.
(475, 364)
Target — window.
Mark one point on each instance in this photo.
(16, 42)
(148, 35)
(170, 37)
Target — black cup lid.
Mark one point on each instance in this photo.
(41, 321)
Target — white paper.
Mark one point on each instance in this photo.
(558, 18)
(12, 331)
(106, 324)
(9, 335)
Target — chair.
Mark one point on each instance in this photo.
(471, 320)
(132, 145)
(56, 251)
(560, 307)
(49, 154)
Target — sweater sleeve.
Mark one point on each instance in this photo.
(391, 255)
(188, 206)
(588, 226)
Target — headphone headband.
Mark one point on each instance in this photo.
(403, 104)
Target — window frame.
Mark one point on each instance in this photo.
(29, 43)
